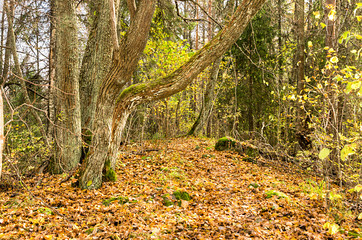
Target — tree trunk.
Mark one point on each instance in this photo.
(107, 130)
(52, 61)
(96, 61)
(301, 133)
(208, 102)
(2, 41)
(67, 106)
(125, 59)
(2, 138)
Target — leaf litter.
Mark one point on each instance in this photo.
(185, 190)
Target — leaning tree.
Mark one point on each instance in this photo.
(107, 68)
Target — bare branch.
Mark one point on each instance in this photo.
(202, 9)
(9, 11)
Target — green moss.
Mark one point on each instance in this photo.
(182, 195)
(109, 175)
(166, 201)
(134, 89)
(272, 193)
(225, 143)
(121, 200)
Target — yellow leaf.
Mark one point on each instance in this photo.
(333, 229)
(324, 153)
(317, 14)
(332, 15)
(356, 85)
(334, 60)
(360, 216)
(358, 188)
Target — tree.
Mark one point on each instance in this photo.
(66, 93)
(113, 106)
(2, 138)
(202, 121)
(299, 64)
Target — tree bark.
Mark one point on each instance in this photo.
(52, 62)
(125, 59)
(2, 138)
(67, 105)
(207, 104)
(301, 133)
(96, 61)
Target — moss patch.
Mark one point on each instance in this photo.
(121, 200)
(181, 195)
(109, 175)
(225, 143)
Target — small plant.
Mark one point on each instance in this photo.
(166, 201)
(313, 188)
(182, 195)
(45, 211)
(272, 193)
(254, 185)
(121, 200)
(176, 173)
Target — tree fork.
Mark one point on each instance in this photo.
(108, 130)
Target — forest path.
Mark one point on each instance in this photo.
(230, 199)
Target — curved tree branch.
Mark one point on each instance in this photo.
(183, 76)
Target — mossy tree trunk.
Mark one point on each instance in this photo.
(96, 60)
(112, 108)
(124, 62)
(66, 93)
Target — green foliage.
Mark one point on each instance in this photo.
(176, 198)
(314, 188)
(25, 146)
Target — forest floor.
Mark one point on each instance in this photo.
(184, 189)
